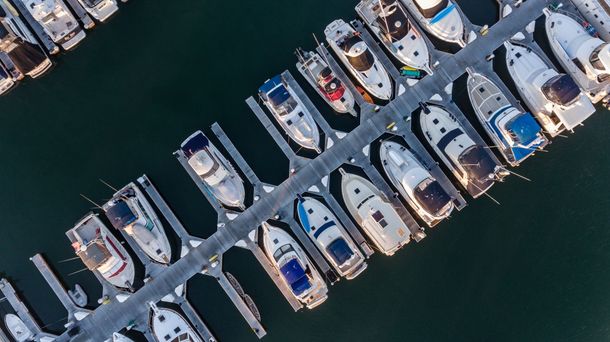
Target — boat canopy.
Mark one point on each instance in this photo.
(524, 128)
(429, 8)
(94, 254)
(340, 251)
(295, 276)
(477, 163)
(363, 61)
(432, 196)
(395, 23)
(195, 144)
(120, 214)
(561, 89)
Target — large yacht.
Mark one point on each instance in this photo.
(441, 18)
(553, 98)
(130, 211)
(101, 252)
(322, 78)
(290, 113)
(471, 164)
(330, 237)
(6, 80)
(374, 213)
(100, 9)
(585, 57)
(415, 183)
(359, 59)
(516, 134)
(57, 21)
(167, 325)
(17, 41)
(18, 330)
(388, 20)
(294, 266)
(214, 169)
(597, 12)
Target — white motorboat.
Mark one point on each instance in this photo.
(101, 10)
(374, 213)
(130, 212)
(17, 329)
(101, 252)
(290, 113)
(597, 12)
(321, 77)
(415, 183)
(167, 325)
(294, 266)
(553, 98)
(584, 57)
(388, 20)
(20, 45)
(441, 18)
(214, 169)
(470, 163)
(359, 59)
(516, 134)
(330, 237)
(57, 21)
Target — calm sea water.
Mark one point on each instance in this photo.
(535, 268)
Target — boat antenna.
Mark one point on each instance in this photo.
(108, 185)
(305, 66)
(486, 194)
(385, 20)
(518, 175)
(91, 201)
(320, 48)
(79, 271)
(69, 259)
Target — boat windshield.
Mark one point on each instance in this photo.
(94, 254)
(561, 89)
(477, 163)
(183, 338)
(378, 217)
(432, 196)
(430, 8)
(595, 60)
(394, 24)
(282, 101)
(281, 251)
(339, 250)
(92, 3)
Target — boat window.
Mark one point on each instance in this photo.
(594, 59)
(431, 196)
(92, 3)
(364, 201)
(281, 251)
(378, 216)
(603, 78)
(430, 8)
(394, 24)
(561, 89)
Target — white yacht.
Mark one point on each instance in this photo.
(584, 57)
(57, 21)
(415, 183)
(330, 237)
(471, 164)
(18, 330)
(17, 41)
(388, 20)
(130, 212)
(6, 80)
(516, 134)
(441, 18)
(101, 252)
(359, 59)
(290, 113)
(553, 98)
(322, 78)
(294, 266)
(214, 169)
(374, 213)
(167, 325)
(100, 9)
(597, 12)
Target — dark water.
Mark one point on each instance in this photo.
(535, 268)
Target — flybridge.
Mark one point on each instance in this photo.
(276, 203)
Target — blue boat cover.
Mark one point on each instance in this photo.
(276, 96)
(295, 276)
(340, 251)
(120, 215)
(525, 128)
(195, 144)
(442, 14)
(303, 216)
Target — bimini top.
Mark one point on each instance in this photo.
(340, 251)
(479, 166)
(432, 196)
(524, 129)
(395, 22)
(120, 214)
(357, 53)
(561, 89)
(295, 276)
(194, 144)
(94, 254)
